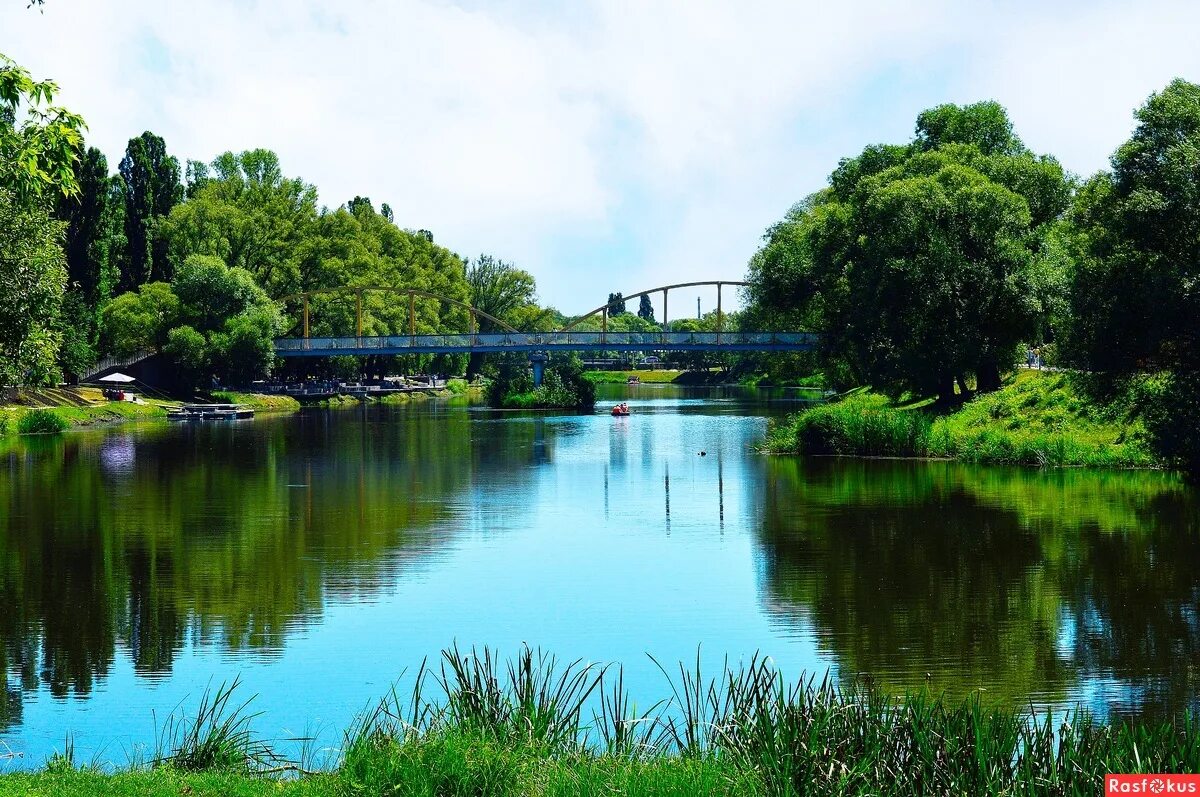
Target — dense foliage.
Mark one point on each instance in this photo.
(563, 384)
(918, 262)
(932, 265)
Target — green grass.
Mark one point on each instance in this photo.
(259, 402)
(474, 724)
(814, 381)
(42, 421)
(621, 377)
(1038, 419)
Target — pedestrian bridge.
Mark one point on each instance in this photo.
(547, 342)
(487, 334)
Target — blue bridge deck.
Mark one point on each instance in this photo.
(548, 342)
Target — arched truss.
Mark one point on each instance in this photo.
(411, 293)
(603, 309)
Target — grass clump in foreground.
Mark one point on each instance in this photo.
(41, 422)
(534, 726)
(1037, 419)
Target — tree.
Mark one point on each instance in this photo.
(32, 275)
(188, 350)
(918, 263)
(616, 304)
(244, 349)
(498, 288)
(152, 189)
(645, 308)
(139, 320)
(1134, 294)
(37, 152)
(85, 214)
(210, 293)
(243, 210)
(228, 322)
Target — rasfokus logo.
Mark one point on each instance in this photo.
(1151, 784)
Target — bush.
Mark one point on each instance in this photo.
(1173, 421)
(41, 422)
(563, 385)
(862, 425)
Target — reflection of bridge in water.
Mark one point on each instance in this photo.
(502, 337)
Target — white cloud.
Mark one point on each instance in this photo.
(602, 145)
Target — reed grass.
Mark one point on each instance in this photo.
(41, 421)
(534, 725)
(219, 736)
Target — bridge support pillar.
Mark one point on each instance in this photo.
(538, 360)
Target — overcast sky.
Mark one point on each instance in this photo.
(600, 145)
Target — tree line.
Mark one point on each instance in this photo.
(931, 266)
(198, 261)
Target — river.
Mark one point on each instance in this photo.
(319, 556)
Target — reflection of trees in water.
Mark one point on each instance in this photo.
(1018, 581)
(230, 537)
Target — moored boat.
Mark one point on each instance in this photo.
(210, 412)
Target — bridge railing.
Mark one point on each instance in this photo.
(524, 341)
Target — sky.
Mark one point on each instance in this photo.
(602, 145)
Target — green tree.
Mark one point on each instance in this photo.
(244, 349)
(39, 142)
(152, 189)
(919, 263)
(33, 273)
(210, 293)
(139, 320)
(499, 289)
(1134, 296)
(616, 304)
(188, 349)
(645, 309)
(228, 323)
(245, 212)
(85, 214)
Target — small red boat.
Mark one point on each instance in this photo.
(620, 410)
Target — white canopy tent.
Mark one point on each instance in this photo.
(117, 378)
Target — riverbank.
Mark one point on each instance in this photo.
(622, 377)
(714, 377)
(535, 726)
(259, 402)
(1038, 418)
(73, 407)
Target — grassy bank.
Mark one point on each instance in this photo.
(56, 409)
(259, 402)
(1038, 418)
(621, 377)
(477, 725)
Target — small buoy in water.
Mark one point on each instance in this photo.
(704, 453)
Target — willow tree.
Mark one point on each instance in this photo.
(918, 263)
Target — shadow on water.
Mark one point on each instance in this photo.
(1060, 586)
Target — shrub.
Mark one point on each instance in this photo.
(41, 422)
(862, 425)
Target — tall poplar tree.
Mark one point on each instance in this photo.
(152, 189)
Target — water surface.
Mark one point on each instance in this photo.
(320, 555)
